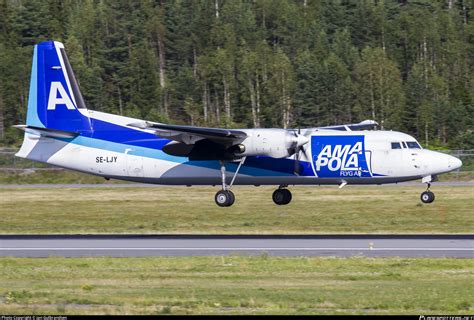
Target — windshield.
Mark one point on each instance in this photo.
(413, 145)
(396, 145)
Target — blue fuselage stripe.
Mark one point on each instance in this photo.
(253, 167)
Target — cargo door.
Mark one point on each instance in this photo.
(134, 164)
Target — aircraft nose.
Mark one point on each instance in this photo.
(439, 162)
(454, 163)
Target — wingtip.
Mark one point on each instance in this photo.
(369, 122)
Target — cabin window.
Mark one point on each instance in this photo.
(413, 145)
(396, 145)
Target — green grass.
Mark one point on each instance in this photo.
(236, 284)
(51, 177)
(381, 209)
(463, 176)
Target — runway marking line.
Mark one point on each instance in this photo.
(238, 249)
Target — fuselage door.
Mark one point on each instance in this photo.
(134, 164)
(388, 158)
(394, 162)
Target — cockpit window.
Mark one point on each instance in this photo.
(413, 145)
(396, 145)
(404, 145)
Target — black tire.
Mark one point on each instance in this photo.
(278, 196)
(432, 195)
(231, 198)
(288, 196)
(281, 196)
(427, 197)
(224, 198)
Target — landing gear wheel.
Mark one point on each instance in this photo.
(427, 196)
(224, 198)
(282, 196)
(232, 198)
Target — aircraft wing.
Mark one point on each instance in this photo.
(201, 143)
(366, 124)
(191, 134)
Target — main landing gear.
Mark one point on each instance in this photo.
(282, 196)
(225, 197)
(427, 196)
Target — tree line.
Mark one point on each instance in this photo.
(255, 63)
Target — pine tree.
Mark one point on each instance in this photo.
(255, 63)
(379, 88)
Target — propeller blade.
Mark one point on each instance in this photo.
(298, 146)
(303, 150)
(297, 169)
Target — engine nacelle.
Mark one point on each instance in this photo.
(275, 143)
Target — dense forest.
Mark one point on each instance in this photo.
(255, 63)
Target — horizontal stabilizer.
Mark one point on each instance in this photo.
(45, 132)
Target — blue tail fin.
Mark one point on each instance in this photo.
(55, 101)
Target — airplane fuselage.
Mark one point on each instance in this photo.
(113, 150)
(61, 131)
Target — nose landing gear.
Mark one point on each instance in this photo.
(427, 196)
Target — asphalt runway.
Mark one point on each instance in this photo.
(459, 246)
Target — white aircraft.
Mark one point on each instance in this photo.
(60, 131)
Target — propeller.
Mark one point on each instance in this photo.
(299, 140)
